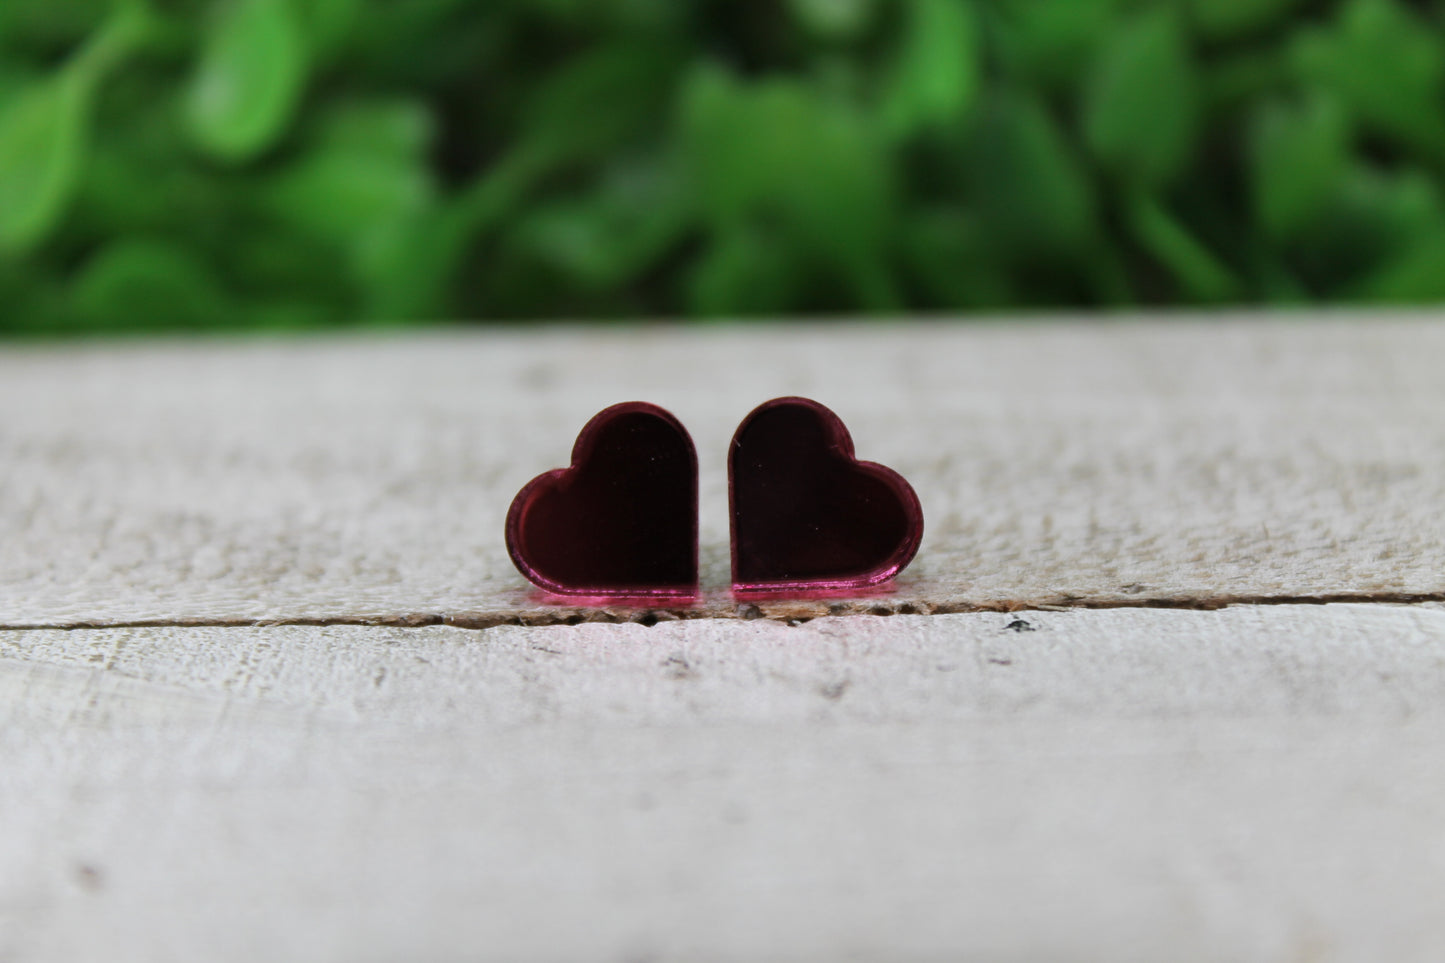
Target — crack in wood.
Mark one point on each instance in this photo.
(789, 612)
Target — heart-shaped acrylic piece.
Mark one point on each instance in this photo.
(807, 516)
(621, 522)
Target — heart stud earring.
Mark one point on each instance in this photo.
(806, 514)
(621, 522)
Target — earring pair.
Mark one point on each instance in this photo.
(806, 515)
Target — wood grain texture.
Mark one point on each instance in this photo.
(1192, 461)
(1258, 783)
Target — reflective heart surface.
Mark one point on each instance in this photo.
(622, 520)
(806, 514)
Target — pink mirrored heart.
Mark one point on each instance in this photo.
(807, 516)
(621, 522)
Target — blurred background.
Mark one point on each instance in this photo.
(294, 164)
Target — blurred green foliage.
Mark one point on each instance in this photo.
(187, 164)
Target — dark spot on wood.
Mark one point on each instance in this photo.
(90, 877)
(1000, 661)
(1021, 625)
(835, 691)
(538, 376)
(679, 667)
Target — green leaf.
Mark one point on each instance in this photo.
(596, 104)
(1047, 43)
(1416, 275)
(617, 16)
(252, 71)
(297, 314)
(951, 255)
(1380, 213)
(937, 74)
(835, 19)
(1141, 108)
(1386, 65)
(145, 283)
(31, 294)
(1227, 19)
(1026, 181)
(1202, 277)
(341, 195)
(1298, 158)
(44, 132)
(327, 23)
(401, 129)
(366, 170)
(601, 99)
(777, 152)
(43, 135)
(1371, 219)
(746, 271)
(410, 266)
(608, 236)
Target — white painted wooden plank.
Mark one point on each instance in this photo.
(1258, 783)
(1109, 463)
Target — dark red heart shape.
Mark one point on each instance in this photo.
(806, 514)
(622, 520)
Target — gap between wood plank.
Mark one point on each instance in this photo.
(791, 610)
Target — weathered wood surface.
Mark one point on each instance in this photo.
(1263, 782)
(1258, 783)
(1185, 462)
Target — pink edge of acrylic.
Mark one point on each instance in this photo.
(555, 600)
(811, 591)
